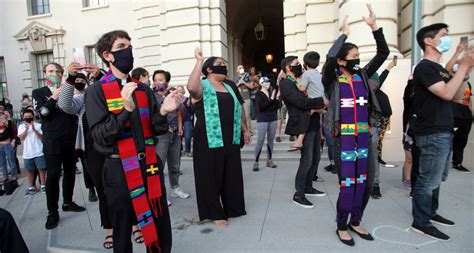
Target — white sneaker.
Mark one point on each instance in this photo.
(178, 193)
(169, 202)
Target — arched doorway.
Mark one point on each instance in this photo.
(244, 47)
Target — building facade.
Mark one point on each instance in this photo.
(165, 32)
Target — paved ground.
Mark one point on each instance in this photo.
(273, 223)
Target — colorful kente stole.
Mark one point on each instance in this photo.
(293, 80)
(213, 119)
(142, 198)
(354, 141)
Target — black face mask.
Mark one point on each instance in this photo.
(123, 60)
(297, 70)
(29, 120)
(79, 86)
(353, 66)
(222, 70)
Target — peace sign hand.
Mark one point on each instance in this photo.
(371, 20)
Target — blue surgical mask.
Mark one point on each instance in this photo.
(445, 44)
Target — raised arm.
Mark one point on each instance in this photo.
(194, 82)
(329, 68)
(459, 49)
(382, 47)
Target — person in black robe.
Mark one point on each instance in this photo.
(217, 171)
(106, 128)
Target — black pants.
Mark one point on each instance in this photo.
(80, 156)
(57, 157)
(121, 210)
(309, 162)
(95, 167)
(460, 139)
(10, 237)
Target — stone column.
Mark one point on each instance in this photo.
(186, 25)
(294, 12)
(322, 26)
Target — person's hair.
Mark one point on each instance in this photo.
(28, 111)
(59, 67)
(344, 51)
(163, 72)
(208, 64)
(81, 75)
(428, 32)
(106, 42)
(311, 59)
(139, 72)
(287, 62)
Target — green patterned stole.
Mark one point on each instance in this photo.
(213, 119)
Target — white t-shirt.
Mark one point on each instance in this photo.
(32, 145)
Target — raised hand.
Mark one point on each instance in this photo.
(198, 54)
(73, 68)
(127, 96)
(392, 64)
(345, 26)
(56, 93)
(371, 20)
(171, 102)
(91, 69)
(461, 47)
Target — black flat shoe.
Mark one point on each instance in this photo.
(367, 237)
(346, 242)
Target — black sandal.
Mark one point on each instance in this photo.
(138, 239)
(108, 244)
(346, 242)
(367, 236)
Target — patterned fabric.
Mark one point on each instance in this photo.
(382, 126)
(144, 200)
(212, 117)
(354, 141)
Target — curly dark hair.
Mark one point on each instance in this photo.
(107, 40)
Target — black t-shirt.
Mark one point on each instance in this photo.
(433, 114)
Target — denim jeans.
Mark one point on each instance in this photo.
(169, 150)
(330, 143)
(6, 152)
(188, 135)
(433, 162)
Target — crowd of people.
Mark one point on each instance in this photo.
(126, 124)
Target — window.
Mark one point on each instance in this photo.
(40, 61)
(38, 7)
(93, 3)
(93, 58)
(3, 80)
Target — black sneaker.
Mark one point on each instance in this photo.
(430, 231)
(315, 193)
(438, 219)
(92, 195)
(382, 162)
(302, 201)
(292, 138)
(278, 139)
(461, 168)
(52, 221)
(376, 192)
(73, 207)
(328, 168)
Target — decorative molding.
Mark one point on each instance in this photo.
(36, 28)
(95, 7)
(46, 15)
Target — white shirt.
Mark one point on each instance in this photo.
(32, 145)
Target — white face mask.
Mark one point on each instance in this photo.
(241, 71)
(266, 85)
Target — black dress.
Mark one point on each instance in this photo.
(218, 171)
